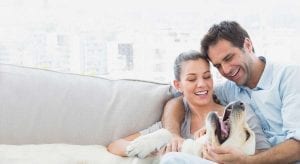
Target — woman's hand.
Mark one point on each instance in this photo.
(174, 146)
(199, 133)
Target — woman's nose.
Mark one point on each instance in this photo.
(200, 82)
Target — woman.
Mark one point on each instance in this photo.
(194, 81)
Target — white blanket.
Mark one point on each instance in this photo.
(63, 154)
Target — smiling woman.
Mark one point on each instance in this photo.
(133, 39)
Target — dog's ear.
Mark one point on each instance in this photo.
(247, 134)
(249, 146)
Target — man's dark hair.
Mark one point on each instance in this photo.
(227, 30)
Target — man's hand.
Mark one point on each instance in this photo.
(223, 155)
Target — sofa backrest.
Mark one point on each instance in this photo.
(39, 106)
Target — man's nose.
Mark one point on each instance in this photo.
(225, 68)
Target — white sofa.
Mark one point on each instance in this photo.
(51, 117)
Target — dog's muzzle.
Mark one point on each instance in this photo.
(222, 126)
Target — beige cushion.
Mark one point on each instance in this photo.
(38, 106)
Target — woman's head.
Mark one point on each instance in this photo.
(193, 77)
(186, 56)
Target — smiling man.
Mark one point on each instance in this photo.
(271, 90)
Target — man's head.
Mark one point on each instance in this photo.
(228, 46)
(226, 30)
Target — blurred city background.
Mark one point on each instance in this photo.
(136, 39)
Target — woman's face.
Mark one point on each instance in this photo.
(196, 82)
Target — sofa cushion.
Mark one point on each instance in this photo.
(64, 154)
(40, 106)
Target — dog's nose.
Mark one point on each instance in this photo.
(240, 104)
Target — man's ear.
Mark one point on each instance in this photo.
(248, 47)
(176, 84)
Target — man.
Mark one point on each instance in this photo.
(271, 90)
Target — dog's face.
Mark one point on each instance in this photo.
(232, 129)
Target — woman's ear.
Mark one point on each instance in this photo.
(176, 84)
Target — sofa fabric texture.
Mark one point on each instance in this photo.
(45, 107)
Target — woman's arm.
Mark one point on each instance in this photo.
(118, 147)
(173, 115)
(172, 119)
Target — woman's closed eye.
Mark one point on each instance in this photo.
(207, 77)
(191, 79)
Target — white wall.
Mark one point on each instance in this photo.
(157, 29)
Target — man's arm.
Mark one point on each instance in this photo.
(172, 118)
(286, 152)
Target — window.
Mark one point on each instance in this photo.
(135, 38)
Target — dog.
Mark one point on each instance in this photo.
(230, 130)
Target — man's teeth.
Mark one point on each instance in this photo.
(234, 73)
(201, 92)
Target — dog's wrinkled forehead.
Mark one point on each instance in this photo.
(235, 105)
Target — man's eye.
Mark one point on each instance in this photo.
(228, 58)
(217, 66)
